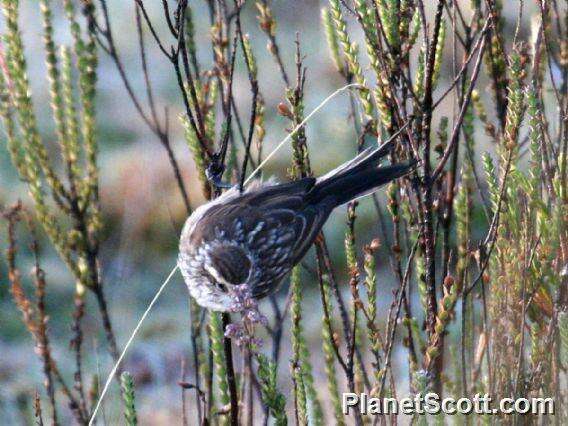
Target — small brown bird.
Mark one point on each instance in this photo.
(256, 237)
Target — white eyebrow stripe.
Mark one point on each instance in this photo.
(216, 274)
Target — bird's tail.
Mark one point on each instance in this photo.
(358, 177)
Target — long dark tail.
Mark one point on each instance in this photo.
(358, 177)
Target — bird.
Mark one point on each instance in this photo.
(254, 237)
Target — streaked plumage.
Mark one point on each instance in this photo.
(255, 238)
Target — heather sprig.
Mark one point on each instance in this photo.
(301, 364)
(217, 335)
(68, 207)
(328, 342)
(351, 51)
(274, 400)
(128, 399)
(80, 200)
(332, 40)
(389, 11)
(445, 312)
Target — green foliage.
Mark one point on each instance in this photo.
(274, 400)
(439, 53)
(301, 364)
(350, 50)
(332, 40)
(79, 200)
(329, 356)
(220, 363)
(563, 327)
(127, 386)
(389, 12)
(515, 104)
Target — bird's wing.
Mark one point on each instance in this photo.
(307, 218)
(286, 227)
(273, 224)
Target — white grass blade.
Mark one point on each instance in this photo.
(299, 126)
(113, 371)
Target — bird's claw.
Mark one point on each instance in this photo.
(214, 173)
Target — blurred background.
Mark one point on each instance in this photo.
(143, 211)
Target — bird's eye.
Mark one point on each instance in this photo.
(221, 287)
